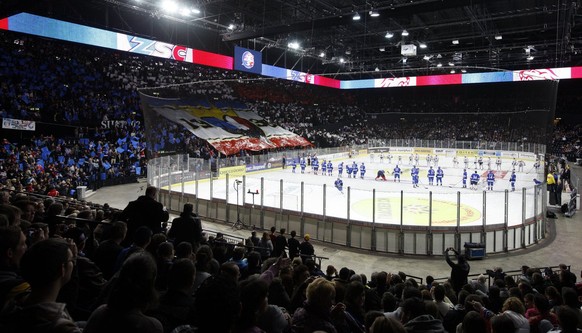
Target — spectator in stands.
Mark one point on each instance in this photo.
(293, 245)
(106, 254)
(265, 246)
(354, 298)
(415, 317)
(176, 306)
(319, 311)
(187, 227)
(217, 304)
(280, 244)
(141, 239)
(88, 282)
(570, 298)
(383, 324)
(47, 266)
(306, 249)
(459, 270)
(13, 288)
(132, 295)
(253, 297)
(164, 262)
(542, 305)
(145, 211)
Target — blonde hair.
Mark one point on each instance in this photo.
(319, 290)
(514, 304)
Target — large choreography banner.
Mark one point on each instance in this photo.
(228, 131)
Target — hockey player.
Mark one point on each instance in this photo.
(490, 180)
(466, 162)
(439, 176)
(498, 163)
(381, 157)
(431, 174)
(340, 169)
(293, 165)
(512, 180)
(329, 168)
(489, 163)
(474, 180)
(400, 160)
(324, 168)
(396, 173)
(520, 165)
(514, 163)
(480, 162)
(339, 184)
(410, 158)
(354, 170)
(348, 170)
(389, 157)
(302, 164)
(428, 159)
(362, 170)
(537, 165)
(315, 165)
(415, 172)
(416, 159)
(455, 162)
(381, 175)
(436, 160)
(464, 178)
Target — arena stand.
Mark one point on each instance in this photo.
(97, 86)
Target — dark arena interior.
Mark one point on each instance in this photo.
(290, 166)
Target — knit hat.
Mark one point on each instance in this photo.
(306, 237)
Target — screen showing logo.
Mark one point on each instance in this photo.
(248, 60)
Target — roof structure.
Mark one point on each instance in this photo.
(443, 36)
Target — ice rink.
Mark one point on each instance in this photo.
(394, 201)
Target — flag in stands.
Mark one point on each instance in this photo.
(226, 129)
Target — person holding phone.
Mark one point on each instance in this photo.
(459, 270)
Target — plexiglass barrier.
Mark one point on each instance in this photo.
(423, 221)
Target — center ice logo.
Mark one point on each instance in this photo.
(248, 60)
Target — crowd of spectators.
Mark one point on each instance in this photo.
(94, 93)
(63, 267)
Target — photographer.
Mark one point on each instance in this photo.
(459, 270)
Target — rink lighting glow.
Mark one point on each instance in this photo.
(169, 6)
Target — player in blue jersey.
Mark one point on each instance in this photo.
(512, 180)
(339, 184)
(439, 176)
(329, 168)
(340, 169)
(302, 164)
(431, 174)
(293, 165)
(349, 170)
(315, 165)
(490, 180)
(397, 173)
(464, 178)
(381, 175)
(362, 170)
(474, 180)
(354, 170)
(323, 168)
(414, 173)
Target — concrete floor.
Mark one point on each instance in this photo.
(559, 247)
